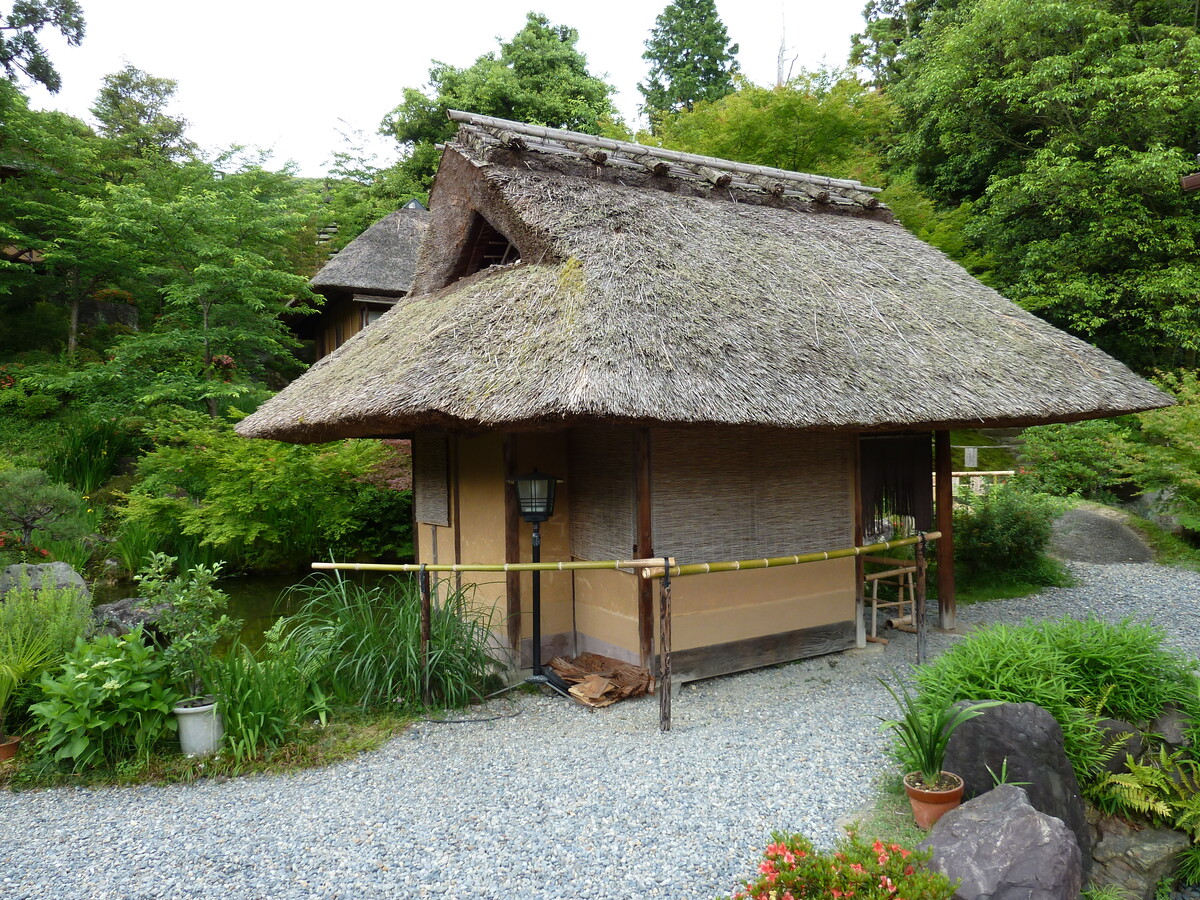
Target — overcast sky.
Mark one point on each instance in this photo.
(289, 75)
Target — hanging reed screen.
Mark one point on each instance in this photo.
(726, 494)
(896, 478)
(431, 479)
(602, 493)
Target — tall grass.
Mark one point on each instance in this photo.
(133, 545)
(86, 452)
(263, 698)
(367, 641)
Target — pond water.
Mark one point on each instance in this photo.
(258, 599)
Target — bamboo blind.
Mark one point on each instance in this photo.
(603, 507)
(431, 479)
(742, 493)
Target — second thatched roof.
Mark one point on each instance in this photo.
(642, 300)
(381, 260)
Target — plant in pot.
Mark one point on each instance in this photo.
(192, 622)
(922, 732)
(23, 653)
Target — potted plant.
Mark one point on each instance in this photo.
(923, 731)
(192, 622)
(23, 653)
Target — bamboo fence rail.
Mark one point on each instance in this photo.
(662, 569)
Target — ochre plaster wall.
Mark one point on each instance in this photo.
(731, 606)
(606, 613)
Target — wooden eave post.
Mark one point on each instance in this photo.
(512, 552)
(860, 625)
(944, 499)
(644, 548)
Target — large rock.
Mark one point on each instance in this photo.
(55, 575)
(1004, 849)
(1031, 741)
(1172, 723)
(1133, 859)
(124, 616)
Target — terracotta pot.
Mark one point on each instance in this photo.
(9, 747)
(929, 806)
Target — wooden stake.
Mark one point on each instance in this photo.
(919, 612)
(426, 622)
(947, 607)
(664, 649)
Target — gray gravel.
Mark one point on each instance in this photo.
(556, 801)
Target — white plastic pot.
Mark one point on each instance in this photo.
(200, 729)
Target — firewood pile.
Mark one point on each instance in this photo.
(597, 680)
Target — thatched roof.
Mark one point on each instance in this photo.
(381, 260)
(664, 298)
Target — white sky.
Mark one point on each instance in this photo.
(289, 75)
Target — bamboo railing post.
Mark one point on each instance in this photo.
(919, 612)
(664, 648)
(426, 616)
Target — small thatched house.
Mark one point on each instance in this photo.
(365, 279)
(720, 362)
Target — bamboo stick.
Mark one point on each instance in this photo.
(578, 565)
(775, 561)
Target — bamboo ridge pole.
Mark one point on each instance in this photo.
(775, 561)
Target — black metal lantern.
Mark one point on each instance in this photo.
(535, 499)
(535, 496)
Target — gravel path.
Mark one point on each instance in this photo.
(555, 802)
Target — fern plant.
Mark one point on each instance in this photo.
(1164, 787)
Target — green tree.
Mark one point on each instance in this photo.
(826, 123)
(690, 58)
(131, 109)
(222, 251)
(1067, 126)
(539, 76)
(22, 53)
(29, 501)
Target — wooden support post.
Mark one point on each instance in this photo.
(860, 627)
(944, 499)
(454, 468)
(664, 648)
(919, 611)
(426, 623)
(512, 553)
(644, 549)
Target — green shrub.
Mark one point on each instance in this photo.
(193, 619)
(1092, 459)
(366, 641)
(109, 703)
(62, 614)
(1078, 671)
(262, 503)
(792, 867)
(1004, 533)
